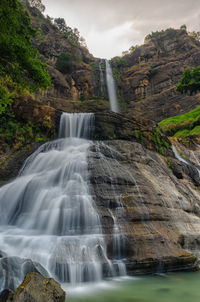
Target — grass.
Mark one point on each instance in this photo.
(182, 125)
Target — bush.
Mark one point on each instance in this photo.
(190, 81)
(64, 63)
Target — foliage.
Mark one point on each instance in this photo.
(182, 125)
(190, 81)
(120, 62)
(64, 62)
(4, 99)
(153, 71)
(18, 59)
(18, 134)
(169, 33)
(72, 35)
(37, 4)
(133, 48)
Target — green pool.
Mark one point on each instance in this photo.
(177, 287)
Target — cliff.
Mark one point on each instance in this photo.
(73, 82)
(148, 74)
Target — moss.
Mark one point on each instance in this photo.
(183, 125)
(138, 134)
(170, 165)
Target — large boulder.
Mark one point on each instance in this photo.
(36, 288)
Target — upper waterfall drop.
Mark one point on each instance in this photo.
(111, 88)
(79, 125)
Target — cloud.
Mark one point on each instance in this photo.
(111, 26)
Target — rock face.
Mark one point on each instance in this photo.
(36, 288)
(152, 71)
(74, 84)
(154, 209)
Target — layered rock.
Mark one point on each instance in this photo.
(152, 71)
(77, 82)
(154, 209)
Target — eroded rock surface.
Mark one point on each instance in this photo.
(154, 209)
(148, 82)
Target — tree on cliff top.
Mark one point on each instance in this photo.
(190, 81)
(19, 61)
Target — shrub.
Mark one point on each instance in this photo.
(64, 63)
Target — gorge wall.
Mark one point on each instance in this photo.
(147, 76)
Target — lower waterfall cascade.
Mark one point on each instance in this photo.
(48, 215)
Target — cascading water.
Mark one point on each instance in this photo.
(47, 213)
(180, 158)
(101, 75)
(111, 88)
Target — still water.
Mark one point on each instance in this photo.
(177, 287)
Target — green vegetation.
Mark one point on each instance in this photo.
(18, 134)
(169, 33)
(190, 81)
(155, 140)
(160, 143)
(72, 35)
(37, 4)
(120, 62)
(170, 165)
(182, 125)
(152, 72)
(64, 63)
(20, 67)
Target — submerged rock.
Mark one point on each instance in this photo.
(36, 288)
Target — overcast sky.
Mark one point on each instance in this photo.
(112, 26)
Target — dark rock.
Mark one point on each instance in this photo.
(13, 270)
(6, 295)
(2, 254)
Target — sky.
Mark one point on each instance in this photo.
(113, 26)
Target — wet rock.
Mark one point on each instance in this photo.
(13, 270)
(2, 254)
(151, 206)
(36, 288)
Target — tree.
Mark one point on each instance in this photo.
(183, 27)
(19, 61)
(38, 4)
(64, 62)
(61, 24)
(72, 35)
(190, 81)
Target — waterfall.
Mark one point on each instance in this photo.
(101, 76)
(181, 159)
(48, 215)
(177, 155)
(111, 88)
